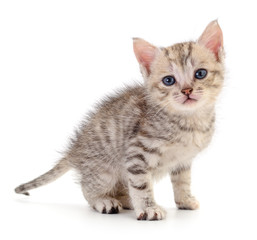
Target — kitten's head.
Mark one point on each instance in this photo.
(185, 76)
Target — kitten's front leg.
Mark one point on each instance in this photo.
(181, 181)
(141, 190)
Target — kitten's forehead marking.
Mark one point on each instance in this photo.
(181, 62)
(180, 53)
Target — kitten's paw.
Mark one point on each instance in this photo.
(188, 203)
(107, 205)
(151, 213)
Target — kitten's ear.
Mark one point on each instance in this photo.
(145, 53)
(212, 38)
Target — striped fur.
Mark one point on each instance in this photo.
(145, 132)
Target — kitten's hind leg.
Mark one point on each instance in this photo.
(98, 190)
(103, 203)
(107, 205)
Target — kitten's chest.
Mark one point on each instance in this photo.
(185, 145)
(180, 151)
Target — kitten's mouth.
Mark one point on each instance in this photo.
(189, 100)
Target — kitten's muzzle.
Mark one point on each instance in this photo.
(190, 98)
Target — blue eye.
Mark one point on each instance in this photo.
(168, 80)
(200, 73)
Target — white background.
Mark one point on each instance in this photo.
(58, 58)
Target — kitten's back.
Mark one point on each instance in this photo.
(105, 132)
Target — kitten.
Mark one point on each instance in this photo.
(148, 130)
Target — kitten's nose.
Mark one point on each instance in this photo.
(187, 91)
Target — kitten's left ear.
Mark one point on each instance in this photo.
(145, 53)
(212, 38)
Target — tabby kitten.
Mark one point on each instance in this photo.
(148, 130)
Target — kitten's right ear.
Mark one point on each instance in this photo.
(145, 53)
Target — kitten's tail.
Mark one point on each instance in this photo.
(57, 171)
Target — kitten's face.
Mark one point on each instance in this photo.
(185, 77)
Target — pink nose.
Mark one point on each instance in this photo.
(187, 91)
